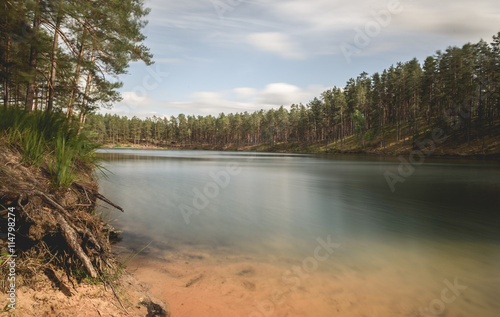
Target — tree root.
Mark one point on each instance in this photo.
(72, 241)
(59, 223)
(73, 231)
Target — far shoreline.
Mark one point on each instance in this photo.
(445, 154)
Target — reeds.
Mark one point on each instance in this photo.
(48, 138)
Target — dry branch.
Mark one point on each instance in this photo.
(72, 240)
(97, 195)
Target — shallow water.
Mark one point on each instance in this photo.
(264, 234)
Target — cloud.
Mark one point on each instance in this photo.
(125, 111)
(134, 99)
(298, 29)
(281, 94)
(206, 53)
(244, 93)
(237, 100)
(241, 99)
(207, 95)
(463, 19)
(275, 42)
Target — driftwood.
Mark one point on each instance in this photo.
(101, 197)
(97, 195)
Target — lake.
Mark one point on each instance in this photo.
(263, 234)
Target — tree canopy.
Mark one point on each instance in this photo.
(66, 55)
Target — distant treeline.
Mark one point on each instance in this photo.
(457, 84)
(64, 55)
(409, 98)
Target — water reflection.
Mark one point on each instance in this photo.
(442, 222)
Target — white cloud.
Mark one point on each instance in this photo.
(240, 99)
(275, 42)
(244, 93)
(134, 99)
(207, 95)
(280, 94)
(463, 19)
(129, 112)
(296, 29)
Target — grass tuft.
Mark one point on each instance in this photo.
(62, 169)
(49, 138)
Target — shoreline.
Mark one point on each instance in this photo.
(55, 230)
(256, 149)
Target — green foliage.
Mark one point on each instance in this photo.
(97, 46)
(2, 255)
(456, 90)
(62, 169)
(81, 274)
(359, 122)
(34, 147)
(371, 134)
(43, 135)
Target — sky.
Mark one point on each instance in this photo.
(214, 56)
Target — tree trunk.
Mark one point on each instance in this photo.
(30, 91)
(88, 86)
(35, 108)
(52, 80)
(18, 95)
(6, 78)
(74, 89)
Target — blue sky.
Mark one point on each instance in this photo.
(215, 56)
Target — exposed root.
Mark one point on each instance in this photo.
(72, 238)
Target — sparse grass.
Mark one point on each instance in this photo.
(27, 264)
(62, 169)
(34, 147)
(48, 138)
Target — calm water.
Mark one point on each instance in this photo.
(441, 223)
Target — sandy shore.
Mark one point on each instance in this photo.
(195, 283)
(215, 282)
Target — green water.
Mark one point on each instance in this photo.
(441, 223)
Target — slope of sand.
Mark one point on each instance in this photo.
(68, 299)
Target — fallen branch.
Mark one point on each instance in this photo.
(101, 197)
(71, 238)
(117, 297)
(70, 234)
(97, 195)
